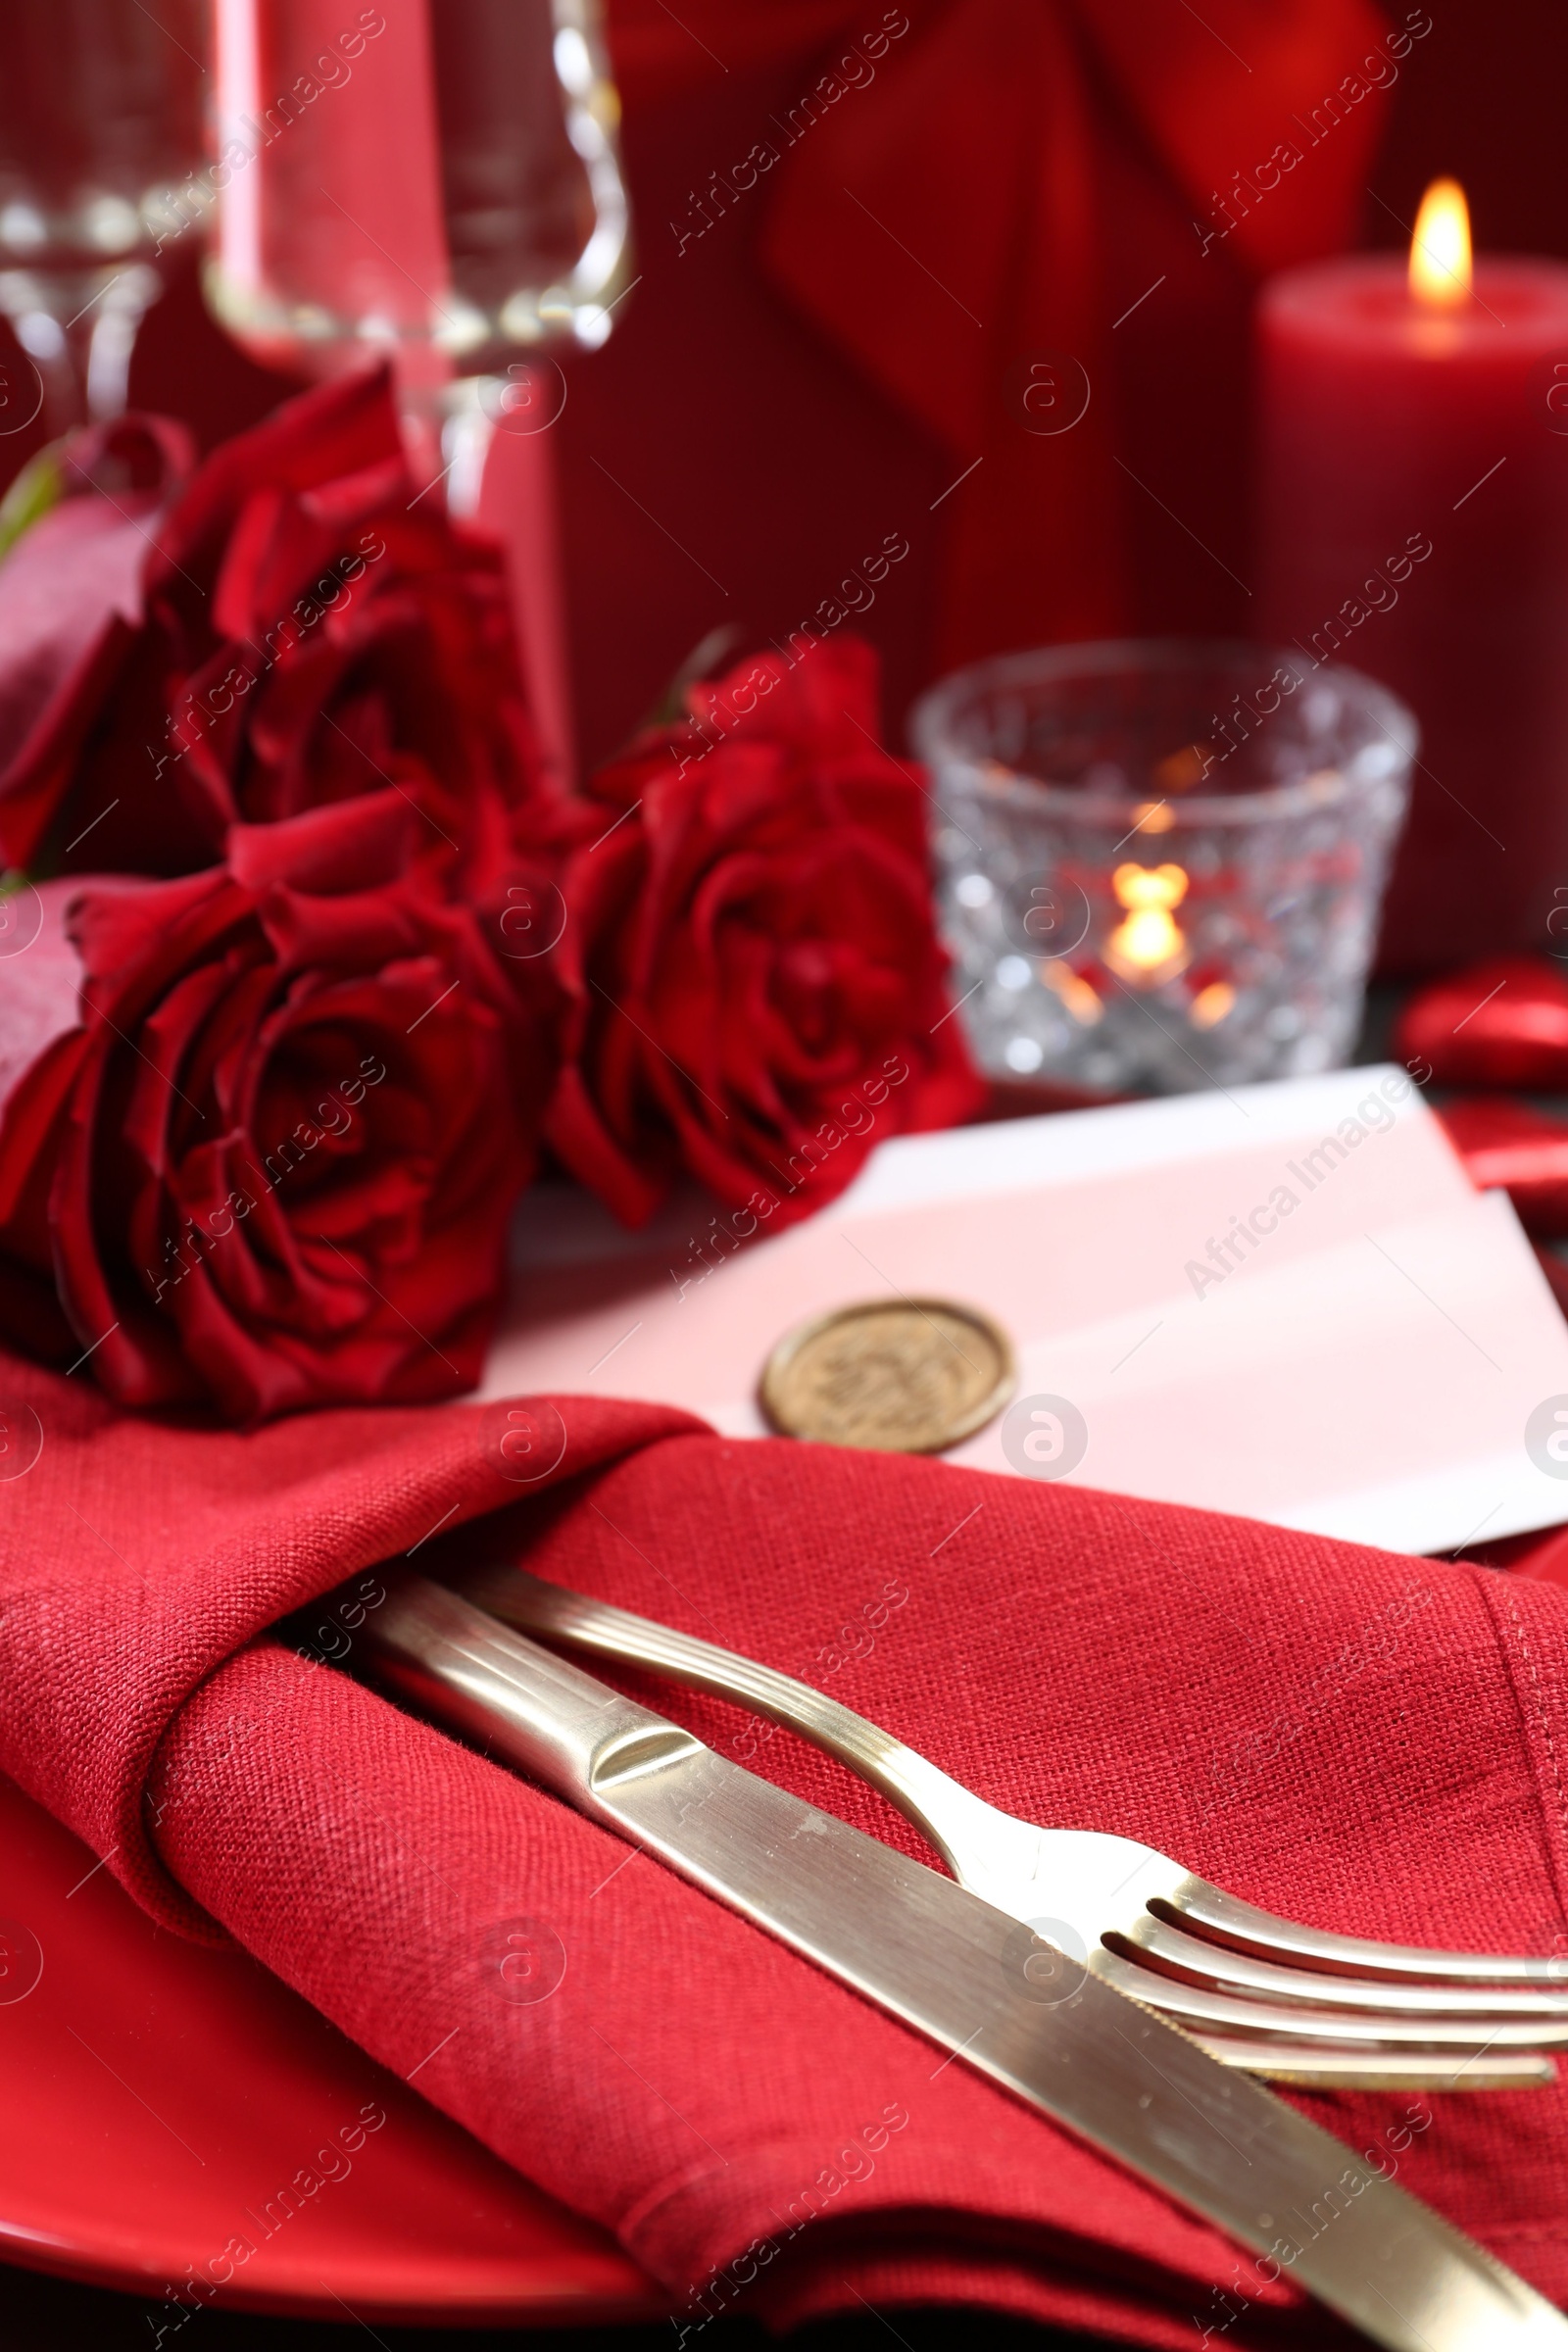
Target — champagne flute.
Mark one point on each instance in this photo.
(444, 173)
(100, 123)
(435, 182)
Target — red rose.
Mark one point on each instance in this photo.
(293, 625)
(755, 990)
(259, 1135)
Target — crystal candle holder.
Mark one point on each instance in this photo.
(1160, 864)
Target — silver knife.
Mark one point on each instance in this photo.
(974, 1981)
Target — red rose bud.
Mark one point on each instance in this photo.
(1507, 1146)
(259, 1127)
(1504, 1022)
(290, 625)
(757, 994)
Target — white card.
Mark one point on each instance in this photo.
(1281, 1300)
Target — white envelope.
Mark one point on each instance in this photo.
(1282, 1300)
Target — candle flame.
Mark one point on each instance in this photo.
(1149, 945)
(1440, 249)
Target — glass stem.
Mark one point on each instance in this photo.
(451, 432)
(468, 424)
(78, 329)
(499, 463)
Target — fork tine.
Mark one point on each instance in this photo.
(1381, 2070)
(1005, 1860)
(1197, 2006)
(1222, 1968)
(1208, 1911)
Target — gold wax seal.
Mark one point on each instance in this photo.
(900, 1375)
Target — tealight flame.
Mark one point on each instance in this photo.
(1149, 945)
(1440, 249)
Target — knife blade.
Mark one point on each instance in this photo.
(970, 1979)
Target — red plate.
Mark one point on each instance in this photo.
(160, 2098)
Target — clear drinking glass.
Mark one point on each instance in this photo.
(100, 116)
(1160, 864)
(440, 173)
(435, 182)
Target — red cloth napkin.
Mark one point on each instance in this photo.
(1377, 1744)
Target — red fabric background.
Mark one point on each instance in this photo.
(772, 457)
(1368, 1741)
(795, 385)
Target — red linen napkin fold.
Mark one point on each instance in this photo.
(1373, 1742)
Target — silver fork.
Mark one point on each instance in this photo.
(1294, 2003)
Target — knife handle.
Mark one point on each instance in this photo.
(937, 1958)
(565, 1730)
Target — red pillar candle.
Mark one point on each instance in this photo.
(1414, 525)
